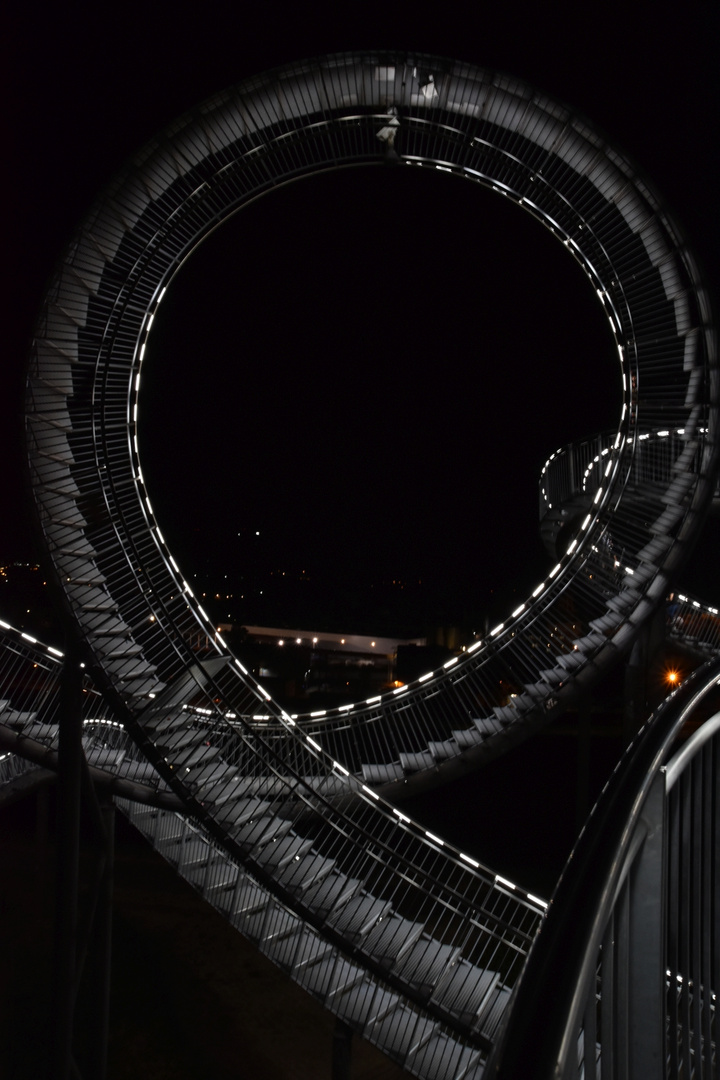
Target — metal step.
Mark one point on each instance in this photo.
(382, 774)
(176, 738)
(299, 950)
(241, 810)
(305, 872)
(426, 962)
(467, 738)
(280, 853)
(366, 1003)
(465, 990)
(269, 926)
(441, 751)
(416, 762)
(332, 893)
(391, 937)
(331, 976)
(359, 915)
(402, 1032)
(492, 1012)
(441, 1057)
(261, 831)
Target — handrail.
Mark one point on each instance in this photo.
(541, 1034)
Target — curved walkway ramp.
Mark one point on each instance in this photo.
(410, 942)
(623, 978)
(135, 611)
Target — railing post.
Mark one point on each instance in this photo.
(646, 960)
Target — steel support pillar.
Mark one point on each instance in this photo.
(341, 1051)
(83, 923)
(68, 865)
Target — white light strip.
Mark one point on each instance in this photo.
(340, 768)
(313, 744)
(496, 630)
(537, 900)
(467, 859)
(401, 816)
(435, 839)
(503, 881)
(369, 791)
(424, 678)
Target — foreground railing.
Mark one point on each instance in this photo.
(622, 979)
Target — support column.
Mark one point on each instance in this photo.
(341, 1051)
(66, 924)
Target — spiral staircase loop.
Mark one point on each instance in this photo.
(294, 800)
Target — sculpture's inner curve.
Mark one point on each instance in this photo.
(345, 345)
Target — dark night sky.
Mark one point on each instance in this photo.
(332, 369)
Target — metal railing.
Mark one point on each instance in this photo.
(622, 980)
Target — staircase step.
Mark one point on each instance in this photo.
(425, 962)
(359, 915)
(441, 1056)
(331, 893)
(261, 831)
(330, 977)
(305, 872)
(269, 926)
(241, 810)
(391, 937)
(493, 1011)
(382, 774)
(298, 950)
(465, 990)
(366, 1003)
(416, 762)
(402, 1032)
(468, 738)
(280, 853)
(441, 751)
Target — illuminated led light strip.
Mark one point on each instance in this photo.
(313, 743)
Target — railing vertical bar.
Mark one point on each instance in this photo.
(590, 1027)
(646, 982)
(673, 924)
(707, 929)
(621, 990)
(684, 924)
(715, 889)
(607, 1003)
(696, 927)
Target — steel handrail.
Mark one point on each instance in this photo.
(541, 1034)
